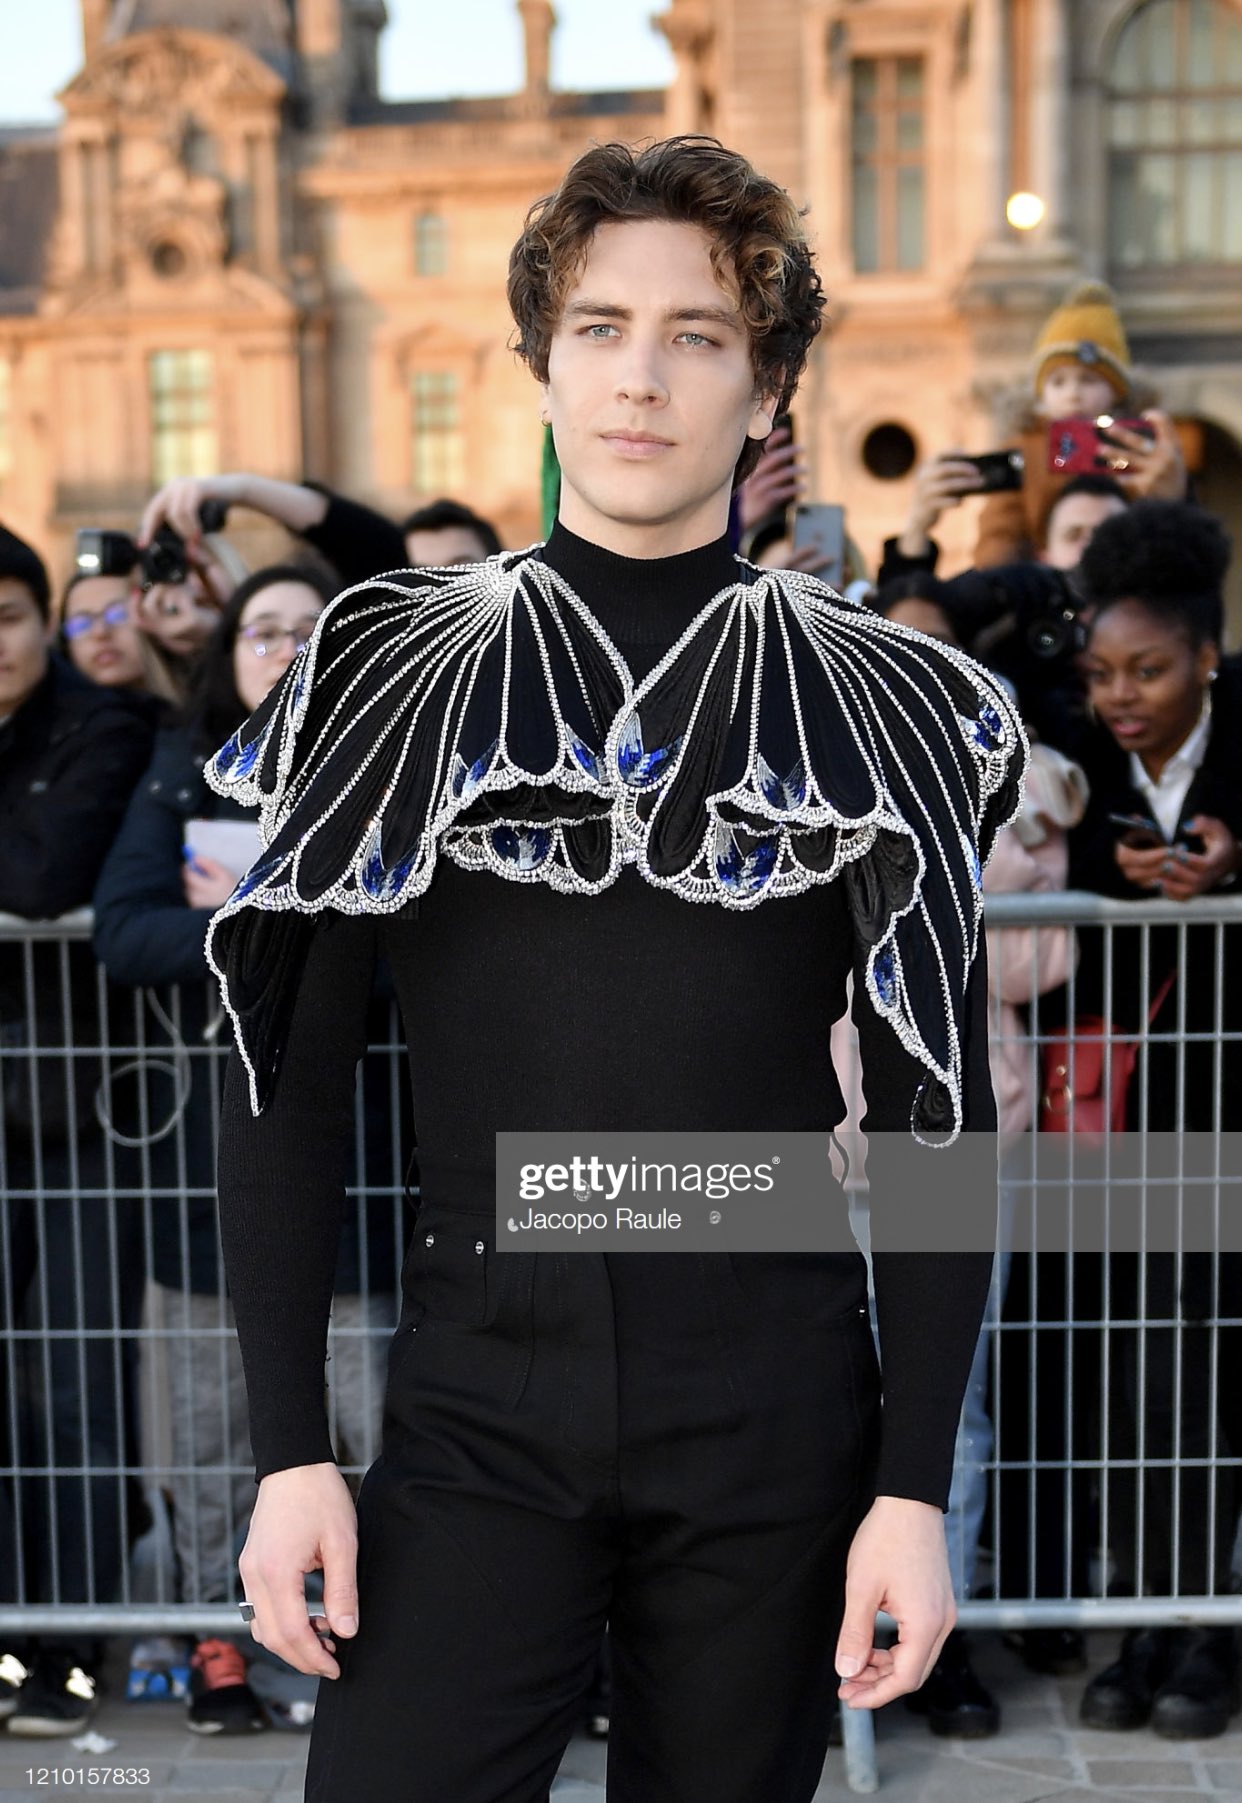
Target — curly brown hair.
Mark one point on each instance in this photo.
(758, 248)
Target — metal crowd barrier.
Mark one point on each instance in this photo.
(125, 1478)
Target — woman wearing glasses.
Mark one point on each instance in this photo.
(175, 860)
(101, 637)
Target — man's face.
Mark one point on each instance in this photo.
(24, 638)
(1071, 525)
(446, 545)
(1075, 391)
(651, 392)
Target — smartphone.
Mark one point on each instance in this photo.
(999, 470)
(1079, 446)
(1139, 831)
(822, 528)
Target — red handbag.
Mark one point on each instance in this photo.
(1075, 1099)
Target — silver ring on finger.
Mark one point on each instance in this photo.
(246, 1611)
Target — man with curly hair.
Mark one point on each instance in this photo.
(511, 780)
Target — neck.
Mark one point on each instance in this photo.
(644, 539)
(643, 603)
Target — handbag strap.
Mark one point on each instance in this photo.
(1161, 993)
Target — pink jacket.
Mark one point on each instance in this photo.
(1030, 857)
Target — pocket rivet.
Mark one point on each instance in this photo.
(431, 1239)
(478, 1245)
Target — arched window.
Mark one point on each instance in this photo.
(1175, 136)
(430, 244)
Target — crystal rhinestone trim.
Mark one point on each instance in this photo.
(788, 737)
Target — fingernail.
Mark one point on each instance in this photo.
(848, 1667)
(346, 1624)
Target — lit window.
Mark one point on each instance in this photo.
(430, 244)
(887, 163)
(183, 426)
(438, 443)
(1175, 136)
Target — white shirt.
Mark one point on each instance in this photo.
(1167, 795)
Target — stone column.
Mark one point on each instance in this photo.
(538, 22)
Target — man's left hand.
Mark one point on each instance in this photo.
(899, 1563)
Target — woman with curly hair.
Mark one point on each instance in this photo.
(1165, 818)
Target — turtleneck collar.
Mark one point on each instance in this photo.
(641, 601)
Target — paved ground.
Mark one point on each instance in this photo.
(1040, 1756)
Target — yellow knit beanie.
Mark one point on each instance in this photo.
(1086, 329)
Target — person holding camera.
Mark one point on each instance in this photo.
(1081, 377)
(358, 542)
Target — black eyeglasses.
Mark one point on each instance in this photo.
(115, 614)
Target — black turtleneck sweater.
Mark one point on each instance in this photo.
(627, 1010)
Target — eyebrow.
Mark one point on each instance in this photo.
(727, 317)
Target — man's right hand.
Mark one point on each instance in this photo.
(303, 1521)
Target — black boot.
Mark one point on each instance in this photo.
(1056, 1652)
(952, 1698)
(1123, 1694)
(1200, 1693)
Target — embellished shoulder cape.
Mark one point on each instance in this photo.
(786, 738)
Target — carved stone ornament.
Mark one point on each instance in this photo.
(156, 70)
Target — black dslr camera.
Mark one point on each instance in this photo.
(101, 552)
(1024, 620)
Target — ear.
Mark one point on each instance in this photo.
(545, 405)
(1207, 661)
(763, 415)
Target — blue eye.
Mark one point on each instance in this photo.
(591, 330)
(699, 336)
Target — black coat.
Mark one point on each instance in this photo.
(69, 758)
(147, 936)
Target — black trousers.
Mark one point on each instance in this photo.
(679, 1447)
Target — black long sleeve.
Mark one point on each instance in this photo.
(281, 1180)
(929, 1305)
(358, 542)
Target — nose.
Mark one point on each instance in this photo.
(639, 379)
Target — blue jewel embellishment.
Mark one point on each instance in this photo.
(468, 778)
(787, 793)
(379, 881)
(639, 767)
(988, 729)
(585, 756)
(744, 873)
(235, 761)
(885, 971)
(971, 853)
(256, 876)
(525, 846)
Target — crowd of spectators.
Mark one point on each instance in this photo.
(1096, 595)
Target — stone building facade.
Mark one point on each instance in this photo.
(233, 254)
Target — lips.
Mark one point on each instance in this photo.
(637, 444)
(1126, 726)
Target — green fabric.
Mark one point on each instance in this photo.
(549, 482)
